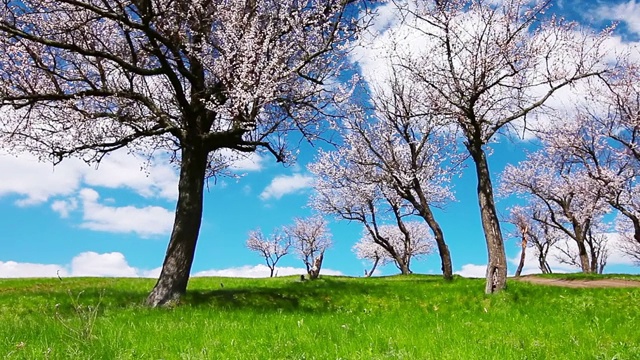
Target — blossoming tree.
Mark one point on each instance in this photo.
(412, 240)
(488, 65)
(271, 248)
(310, 238)
(188, 77)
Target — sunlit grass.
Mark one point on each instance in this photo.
(414, 317)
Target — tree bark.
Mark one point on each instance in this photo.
(172, 283)
(583, 255)
(314, 271)
(373, 268)
(404, 268)
(443, 249)
(522, 256)
(496, 275)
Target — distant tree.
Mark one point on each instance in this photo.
(597, 246)
(490, 66)
(188, 77)
(532, 229)
(396, 158)
(522, 225)
(310, 238)
(567, 200)
(372, 251)
(411, 241)
(272, 249)
(603, 136)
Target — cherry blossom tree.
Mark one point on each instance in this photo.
(532, 229)
(488, 66)
(84, 78)
(310, 238)
(397, 158)
(602, 137)
(628, 243)
(372, 251)
(271, 248)
(566, 194)
(597, 246)
(410, 241)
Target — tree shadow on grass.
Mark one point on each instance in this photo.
(282, 294)
(322, 295)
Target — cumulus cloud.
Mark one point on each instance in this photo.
(115, 264)
(12, 269)
(36, 182)
(64, 207)
(88, 263)
(144, 221)
(286, 184)
(626, 12)
(473, 271)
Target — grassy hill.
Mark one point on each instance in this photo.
(413, 317)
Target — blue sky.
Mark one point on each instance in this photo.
(115, 220)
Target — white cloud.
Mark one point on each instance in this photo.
(473, 271)
(248, 162)
(123, 170)
(115, 264)
(260, 271)
(146, 221)
(64, 207)
(36, 182)
(108, 264)
(12, 269)
(627, 12)
(286, 184)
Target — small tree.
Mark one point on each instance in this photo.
(272, 249)
(410, 241)
(372, 251)
(310, 238)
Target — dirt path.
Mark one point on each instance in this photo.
(604, 283)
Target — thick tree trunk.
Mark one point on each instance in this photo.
(272, 269)
(583, 255)
(443, 249)
(404, 267)
(314, 271)
(179, 257)
(496, 275)
(522, 256)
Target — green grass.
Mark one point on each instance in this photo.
(583, 276)
(413, 317)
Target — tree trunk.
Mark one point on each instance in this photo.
(373, 268)
(179, 257)
(314, 271)
(404, 268)
(443, 249)
(585, 264)
(496, 275)
(272, 269)
(522, 256)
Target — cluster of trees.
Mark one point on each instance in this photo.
(308, 237)
(194, 77)
(587, 169)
